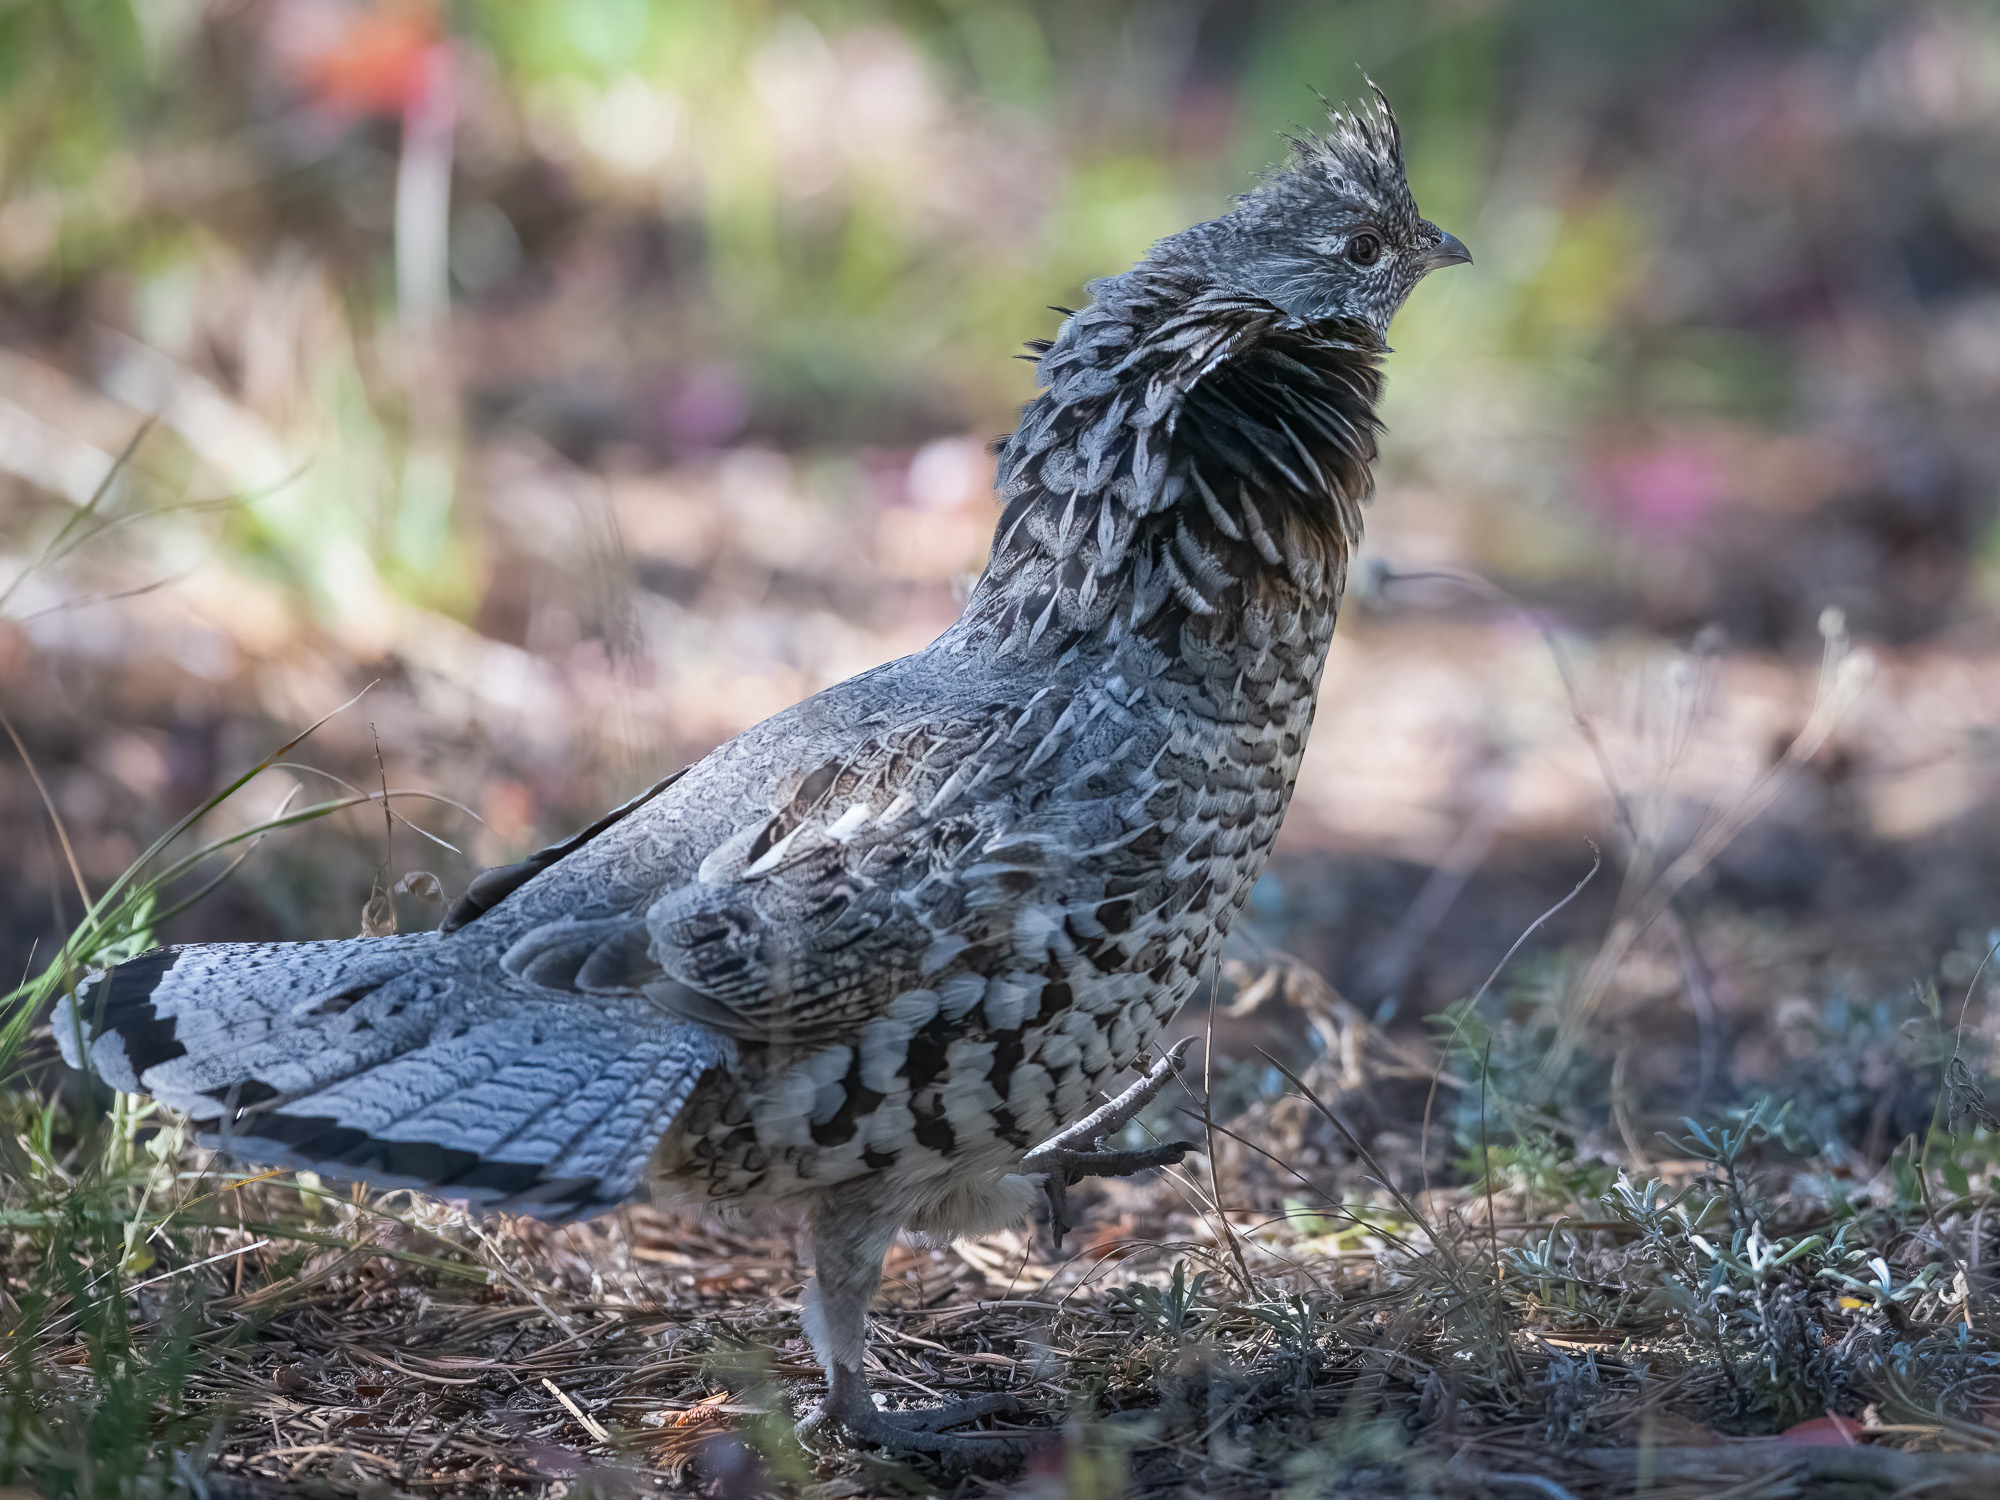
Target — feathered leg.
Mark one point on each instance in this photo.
(850, 1237)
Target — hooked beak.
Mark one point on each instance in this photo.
(1448, 251)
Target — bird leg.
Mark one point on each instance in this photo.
(1077, 1152)
(850, 1237)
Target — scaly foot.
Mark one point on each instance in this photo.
(1065, 1159)
(849, 1408)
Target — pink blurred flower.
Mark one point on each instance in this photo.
(1667, 489)
(708, 408)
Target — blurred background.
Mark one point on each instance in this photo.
(588, 379)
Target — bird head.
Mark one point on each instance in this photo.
(1334, 233)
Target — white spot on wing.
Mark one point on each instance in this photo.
(776, 852)
(848, 823)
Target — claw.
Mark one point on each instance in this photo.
(848, 1408)
(1074, 1166)
(1076, 1153)
(1092, 1128)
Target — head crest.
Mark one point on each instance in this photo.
(1361, 148)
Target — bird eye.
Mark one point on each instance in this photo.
(1365, 248)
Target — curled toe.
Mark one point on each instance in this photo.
(919, 1429)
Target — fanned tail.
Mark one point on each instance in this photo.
(377, 1059)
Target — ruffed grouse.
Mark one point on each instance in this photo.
(866, 956)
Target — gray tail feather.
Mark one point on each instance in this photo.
(378, 1059)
